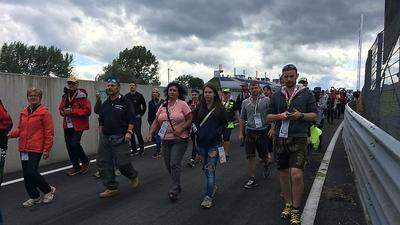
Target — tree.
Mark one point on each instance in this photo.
(190, 81)
(137, 64)
(20, 58)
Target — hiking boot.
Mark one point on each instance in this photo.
(47, 198)
(84, 168)
(286, 211)
(295, 217)
(191, 163)
(73, 172)
(31, 202)
(207, 202)
(108, 193)
(135, 182)
(251, 183)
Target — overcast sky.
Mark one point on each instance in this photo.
(194, 36)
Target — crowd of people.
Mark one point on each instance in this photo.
(273, 125)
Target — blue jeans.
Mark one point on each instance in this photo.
(210, 160)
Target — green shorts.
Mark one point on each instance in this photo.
(290, 152)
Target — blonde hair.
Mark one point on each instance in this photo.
(157, 90)
(34, 91)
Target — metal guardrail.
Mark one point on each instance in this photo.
(374, 157)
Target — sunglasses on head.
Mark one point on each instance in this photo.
(112, 80)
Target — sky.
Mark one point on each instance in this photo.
(194, 36)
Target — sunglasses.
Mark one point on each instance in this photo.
(71, 83)
(112, 80)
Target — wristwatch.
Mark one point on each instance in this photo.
(301, 116)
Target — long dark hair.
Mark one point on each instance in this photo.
(202, 109)
(181, 91)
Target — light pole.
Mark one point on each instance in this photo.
(168, 73)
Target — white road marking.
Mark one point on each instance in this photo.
(56, 170)
(311, 207)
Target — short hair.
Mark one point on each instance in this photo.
(267, 87)
(289, 67)
(34, 91)
(254, 83)
(195, 90)
(133, 82)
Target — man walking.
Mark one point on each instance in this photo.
(116, 119)
(292, 109)
(139, 105)
(254, 111)
(75, 108)
(232, 114)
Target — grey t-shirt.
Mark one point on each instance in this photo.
(303, 101)
(250, 107)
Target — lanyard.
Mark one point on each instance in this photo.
(289, 99)
(256, 106)
(171, 109)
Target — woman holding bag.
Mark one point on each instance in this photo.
(173, 120)
(210, 119)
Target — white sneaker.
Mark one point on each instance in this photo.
(31, 202)
(47, 198)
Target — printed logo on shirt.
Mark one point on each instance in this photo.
(119, 106)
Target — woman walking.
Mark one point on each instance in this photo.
(154, 104)
(210, 119)
(36, 133)
(173, 120)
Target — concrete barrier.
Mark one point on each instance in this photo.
(13, 94)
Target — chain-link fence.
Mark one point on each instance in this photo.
(381, 91)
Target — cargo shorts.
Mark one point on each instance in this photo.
(290, 152)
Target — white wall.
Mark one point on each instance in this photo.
(13, 94)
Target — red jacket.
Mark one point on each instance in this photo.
(5, 119)
(81, 110)
(35, 131)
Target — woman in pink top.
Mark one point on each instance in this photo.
(173, 119)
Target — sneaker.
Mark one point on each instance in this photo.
(84, 168)
(172, 196)
(97, 175)
(207, 202)
(191, 163)
(295, 217)
(117, 172)
(31, 202)
(267, 170)
(47, 198)
(108, 193)
(73, 172)
(141, 151)
(251, 183)
(286, 211)
(135, 182)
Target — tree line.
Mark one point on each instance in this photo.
(136, 63)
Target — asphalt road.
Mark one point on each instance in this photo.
(77, 200)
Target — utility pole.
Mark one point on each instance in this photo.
(168, 73)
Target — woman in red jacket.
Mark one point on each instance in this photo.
(75, 108)
(5, 126)
(35, 132)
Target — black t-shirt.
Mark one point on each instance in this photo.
(210, 134)
(115, 116)
(230, 108)
(303, 101)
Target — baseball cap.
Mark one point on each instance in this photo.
(226, 90)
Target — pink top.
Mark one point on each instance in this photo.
(178, 110)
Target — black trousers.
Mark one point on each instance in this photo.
(138, 132)
(74, 147)
(3, 152)
(32, 178)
